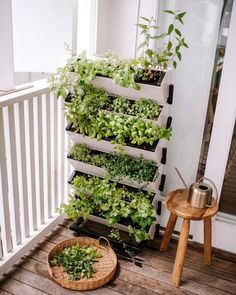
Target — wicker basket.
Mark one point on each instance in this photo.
(105, 267)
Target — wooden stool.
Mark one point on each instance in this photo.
(176, 202)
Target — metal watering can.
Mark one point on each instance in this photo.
(200, 193)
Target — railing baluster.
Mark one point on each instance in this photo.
(4, 201)
(39, 157)
(61, 150)
(54, 159)
(48, 177)
(13, 178)
(32, 161)
(24, 168)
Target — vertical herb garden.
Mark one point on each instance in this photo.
(117, 112)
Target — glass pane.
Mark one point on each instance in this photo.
(218, 66)
(228, 193)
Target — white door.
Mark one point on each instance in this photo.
(220, 155)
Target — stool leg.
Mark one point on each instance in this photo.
(168, 232)
(207, 241)
(180, 255)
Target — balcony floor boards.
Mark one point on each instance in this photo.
(30, 276)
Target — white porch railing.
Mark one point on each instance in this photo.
(32, 169)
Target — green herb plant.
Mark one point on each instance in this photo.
(117, 165)
(77, 261)
(161, 59)
(80, 71)
(101, 196)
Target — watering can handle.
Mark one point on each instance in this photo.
(216, 197)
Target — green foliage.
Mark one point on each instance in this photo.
(141, 108)
(80, 71)
(77, 261)
(120, 128)
(112, 203)
(174, 42)
(116, 165)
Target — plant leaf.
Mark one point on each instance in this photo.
(145, 18)
(159, 36)
(179, 55)
(141, 45)
(169, 11)
(142, 26)
(169, 46)
(174, 64)
(181, 15)
(170, 29)
(178, 32)
(185, 45)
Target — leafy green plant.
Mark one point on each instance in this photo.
(112, 203)
(80, 71)
(121, 105)
(116, 166)
(150, 59)
(120, 129)
(77, 261)
(141, 108)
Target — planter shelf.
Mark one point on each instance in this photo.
(152, 186)
(163, 95)
(158, 93)
(107, 147)
(123, 227)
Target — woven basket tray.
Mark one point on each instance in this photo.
(105, 267)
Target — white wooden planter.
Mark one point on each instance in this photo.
(107, 147)
(101, 172)
(158, 93)
(122, 227)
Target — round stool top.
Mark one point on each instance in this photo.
(176, 202)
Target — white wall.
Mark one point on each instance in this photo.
(191, 79)
(40, 29)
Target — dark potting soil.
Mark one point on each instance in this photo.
(143, 146)
(156, 81)
(158, 76)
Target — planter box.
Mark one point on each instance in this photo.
(101, 172)
(122, 227)
(161, 120)
(107, 147)
(76, 172)
(158, 93)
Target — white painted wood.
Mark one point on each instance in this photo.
(31, 135)
(158, 93)
(39, 157)
(31, 89)
(107, 147)
(13, 178)
(61, 150)
(101, 172)
(21, 158)
(224, 230)
(48, 172)
(6, 48)
(20, 250)
(4, 200)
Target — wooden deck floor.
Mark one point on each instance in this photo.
(30, 276)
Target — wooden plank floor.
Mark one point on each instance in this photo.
(30, 277)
